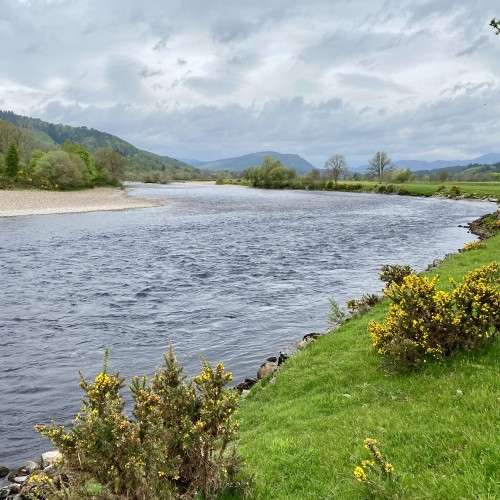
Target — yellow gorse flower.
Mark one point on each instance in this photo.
(359, 474)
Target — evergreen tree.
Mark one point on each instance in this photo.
(12, 161)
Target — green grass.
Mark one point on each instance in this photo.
(471, 189)
(303, 435)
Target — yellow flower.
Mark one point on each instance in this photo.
(359, 474)
(389, 468)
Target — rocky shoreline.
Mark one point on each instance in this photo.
(20, 484)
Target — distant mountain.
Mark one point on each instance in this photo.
(240, 163)
(194, 163)
(417, 165)
(51, 135)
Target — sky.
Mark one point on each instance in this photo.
(193, 79)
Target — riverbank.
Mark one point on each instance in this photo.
(30, 202)
(483, 191)
(303, 435)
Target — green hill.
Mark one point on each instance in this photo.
(49, 136)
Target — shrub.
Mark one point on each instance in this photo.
(441, 188)
(336, 315)
(427, 324)
(363, 305)
(474, 245)
(176, 444)
(394, 273)
(62, 169)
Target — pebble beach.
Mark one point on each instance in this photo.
(25, 202)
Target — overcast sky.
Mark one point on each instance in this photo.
(212, 79)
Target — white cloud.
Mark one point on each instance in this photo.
(209, 80)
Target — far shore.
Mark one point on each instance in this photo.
(30, 202)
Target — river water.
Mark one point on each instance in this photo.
(230, 273)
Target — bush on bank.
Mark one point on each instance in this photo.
(180, 442)
(424, 323)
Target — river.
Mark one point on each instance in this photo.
(230, 273)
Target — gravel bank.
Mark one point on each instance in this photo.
(25, 202)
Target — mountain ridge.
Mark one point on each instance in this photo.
(240, 163)
(420, 165)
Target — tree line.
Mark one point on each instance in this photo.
(272, 174)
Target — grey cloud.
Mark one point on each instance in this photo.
(230, 30)
(474, 47)
(119, 66)
(376, 84)
(161, 43)
(210, 86)
(422, 11)
(148, 73)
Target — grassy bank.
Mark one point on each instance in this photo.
(303, 434)
(474, 190)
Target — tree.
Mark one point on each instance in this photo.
(23, 139)
(271, 174)
(336, 166)
(76, 149)
(496, 25)
(110, 165)
(401, 175)
(443, 176)
(35, 156)
(315, 174)
(12, 161)
(62, 169)
(379, 164)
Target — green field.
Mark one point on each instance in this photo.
(303, 435)
(477, 190)
(470, 189)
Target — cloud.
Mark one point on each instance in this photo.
(211, 80)
(476, 45)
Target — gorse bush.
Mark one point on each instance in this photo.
(176, 445)
(363, 305)
(394, 273)
(425, 323)
(474, 245)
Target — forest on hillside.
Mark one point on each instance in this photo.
(98, 150)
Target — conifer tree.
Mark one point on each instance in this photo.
(12, 161)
